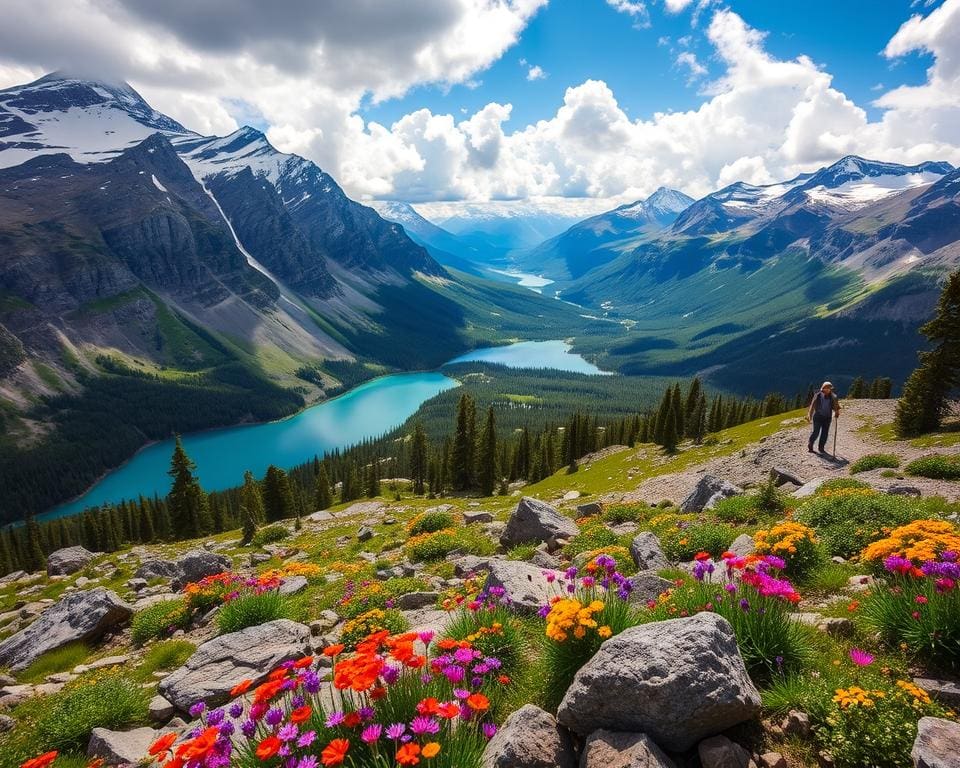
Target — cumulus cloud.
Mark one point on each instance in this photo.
(536, 73)
(304, 74)
(634, 8)
(675, 6)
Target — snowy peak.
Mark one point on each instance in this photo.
(399, 212)
(666, 202)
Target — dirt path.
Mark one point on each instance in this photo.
(788, 449)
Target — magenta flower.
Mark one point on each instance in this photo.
(489, 730)
(371, 733)
(396, 731)
(861, 658)
(335, 718)
(421, 725)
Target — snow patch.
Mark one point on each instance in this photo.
(157, 183)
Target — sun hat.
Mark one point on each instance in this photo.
(826, 384)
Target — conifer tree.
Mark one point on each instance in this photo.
(464, 445)
(857, 389)
(487, 474)
(189, 508)
(322, 496)
(678, 412)
(670, 437)
(278, 502)
(252, 511)
(33, 559)
(418, 458)
(693, 399)
(697, 422)
(148, 532)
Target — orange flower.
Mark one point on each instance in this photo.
(447, 644)
(301, 714)
(197, 749)
(478, 702)
(240, 688)
(352, 720)
(303, 663)
(448, 710)
(407, 754)
(161, 746)
(41, 761)
(268, 747)
(97, 762)
(430, 749)
(504, 680)
(278, 674)
(335, 752)
(333, 650)
(428, 706)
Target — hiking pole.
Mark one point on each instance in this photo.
(835, 430)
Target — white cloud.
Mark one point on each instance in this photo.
(689, 61)
(675, 6)
(536, 73)
(634, 8)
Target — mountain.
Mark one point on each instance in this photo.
(834, 268)
(577, 250)
(153, 281)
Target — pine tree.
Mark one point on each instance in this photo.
(148, 531)
(697, 423)
(857, 389)
(278, 501)
(487, 474)
(693, 399)
(251, 506)
(418, 458)
(189, 508)
(33, 559)
(322, 496)
(660, 422)
(670, 437)
(678, 414)
(923, 404)
(464, 446)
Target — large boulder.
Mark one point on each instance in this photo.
(610, 749)
(79, 616)
(647, 553)
(219, 664)
(525, 584)
(707, 492)
(121, 747)
(937, 744)
(534, 521)
(69, 560)
(678, 681)
(782, 476)
(157, 569)
(530, 738)
(197, 564)
(646, 586)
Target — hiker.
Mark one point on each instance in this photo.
(823, 407)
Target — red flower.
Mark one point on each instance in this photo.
(40, 761)
(448, 710)
(352, 720)
(161, 747)
(701, 556)
(407, 754)
(303, 663)
(268, 747)
(198, 748)
(335, 752)
(300, 714)
(278, 674)
(333, 650)
(478, 702)
(428, 706)
(240, 688)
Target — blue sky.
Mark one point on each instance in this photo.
(575, 40)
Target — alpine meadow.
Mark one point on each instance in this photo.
(480, 384)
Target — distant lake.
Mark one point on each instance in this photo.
(532, 354)
(526, 280)
(367, 411)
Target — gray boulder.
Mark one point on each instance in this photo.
(526, 585)
(473, 518)
(782, 476)
(530, 738)
(79, 616)
(707, 492)
(647, 586)
(412, 601)
(678, 681)
(937, 744)
(160, 710)
(534, 521)
(121, 747)
(198, 563)
(743, 545)
(809, 488)
(219, 664)
(543, 559)
(647, 553)
(69, 560)
(946, 692)
(720, 752)
(468, 565)
(157, 569)
(905, 490)
(590, 509)
(610, 749)
(293, 585)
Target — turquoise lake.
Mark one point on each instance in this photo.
(369, 410)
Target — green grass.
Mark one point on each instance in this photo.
(60, 660)
(251, 609)
(159, 620)
(875, 461)
(163, 656)
(936, 466)
(110, 303)
(48, 376)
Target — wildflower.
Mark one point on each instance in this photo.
(306, 739)
(478, 702)
(197, 709)
(335, 718)
(41, 761)
(489, 730)
(371, 733)
(288, 732)
(335, 752)
(310, 761)
(235, 710)
(160, 748)
(604, 632)
(861, 658)
(396, 731)
(268, 747)
(241, 688)
(421, 725)
(408, 754)
(248, 728)
(274, 716)
(920, 600)
(333, 650)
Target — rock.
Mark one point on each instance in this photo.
(647, 553)
(106, 661)
(471, 518)
(534, 521)
(773, 760)
(293, 584)
(946, 692)
(810, 488)
(79, 616)
(7, 723)
(63, 562)
(937, 744)
(365, 533)
(704, 492)
(258, 558)
(904, 490)
(797, 723)
(196, 564)
(320, 516)
(860, 583)
(10, 578)
(326, 621)
(136, 585)
(572, 495)
(468, 565)
(678, 681)
(743, 545)
(647, 586)
(219, 664)
(782, 476)
(157, 569)
(543, 559)
(412, 601)
(530, 738)
(160, 710)
(609, 749)
(833, 626)
(526, 585)
(428, 620)
(590, 509)
(121, 747)
(720, 752)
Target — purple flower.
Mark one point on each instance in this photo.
(227, 729)
(461, 693)
(197, 709)
(949, 555)
(236, 710)
(274, 716)
(371, 733)
(396, 731)
(309, 761)
(335, 718)
(861, 658)
(744, 604)
(454, 674)
(311, 682)
(570, 573)
(489, 730)
(421, 725)
(367, 713)
(297, 701)
(306, 739)
(544, 610)
(463, 655)
(390, 674)
(248, 728)
(730, 587)
(288, 732)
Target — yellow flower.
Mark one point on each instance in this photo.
(604, 632)
(920, 540)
